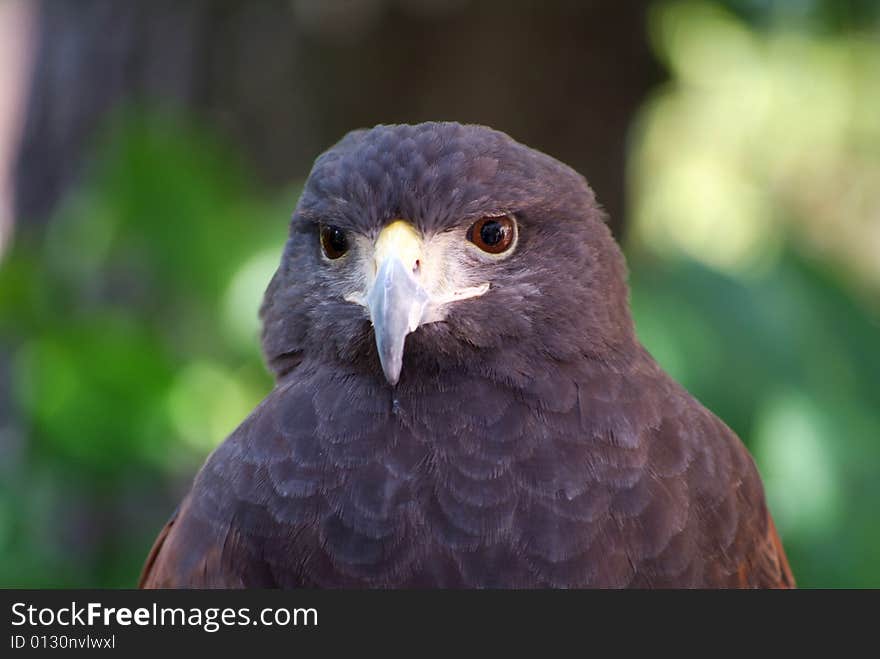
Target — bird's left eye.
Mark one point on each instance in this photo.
(334, 242)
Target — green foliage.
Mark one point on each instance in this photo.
(133, 348)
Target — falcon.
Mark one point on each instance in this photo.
(461, 400)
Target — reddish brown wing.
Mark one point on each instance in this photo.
(212, 541)
(787, 578)
(185, 555)
(149, 577)
(194, 552)
(707, 523)
(768, 568)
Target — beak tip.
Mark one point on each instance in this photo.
(392, 372)
(397, 303)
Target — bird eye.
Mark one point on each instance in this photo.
(493, 234)
(333, 241)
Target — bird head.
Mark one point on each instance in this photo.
(445, 246)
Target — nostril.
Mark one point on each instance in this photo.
(417, 266)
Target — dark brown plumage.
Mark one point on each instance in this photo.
(530, 441)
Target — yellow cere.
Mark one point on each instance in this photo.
(398, 239)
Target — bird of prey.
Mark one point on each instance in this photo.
(461, 400)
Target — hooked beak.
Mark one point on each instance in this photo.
(403, 293)
(397, 301)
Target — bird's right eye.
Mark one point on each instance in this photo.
(334, 242)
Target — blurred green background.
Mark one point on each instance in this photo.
(737, 146)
